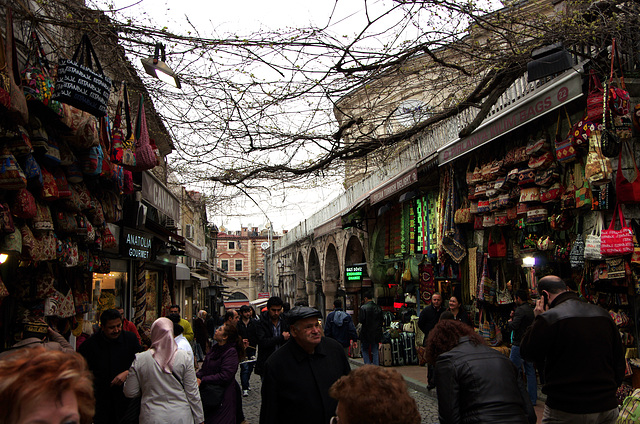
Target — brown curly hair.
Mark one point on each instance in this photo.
(446, 335)
(375, 395)
(33, 374)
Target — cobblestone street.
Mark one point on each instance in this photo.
(427, 403)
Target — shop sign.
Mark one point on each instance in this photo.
(136, 244)
(160, 197)
(555, 96)
(354, 273)
(327, 227)
(263, 295)
(192, 250)
(395, 186)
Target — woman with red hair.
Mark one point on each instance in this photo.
(476, 384)
(40, 385)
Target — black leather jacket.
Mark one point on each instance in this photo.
(477, 384)
(371, 319)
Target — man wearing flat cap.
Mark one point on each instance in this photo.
(297, 377)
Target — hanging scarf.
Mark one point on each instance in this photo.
(163, 345)
(451, 239)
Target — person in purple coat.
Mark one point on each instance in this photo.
(220, 367)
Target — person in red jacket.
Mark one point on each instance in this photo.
(129, 326)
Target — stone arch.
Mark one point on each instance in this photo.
(238, 296)
(314, 278)
(332, 273)
(301, 287)
(353, 254)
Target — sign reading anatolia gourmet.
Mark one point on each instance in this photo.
(136, 244)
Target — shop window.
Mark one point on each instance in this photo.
(108, 291)
(224, 264)
(232, 245)
(238, 264)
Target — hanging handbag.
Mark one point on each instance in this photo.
(503, 296)
(568, 198)
(463, 214)
(619, 99)
(530, 194)
(36, 77)
(635, 256)
(43, 219)
(145, 155)
(595, 102)
(617, 242)
(526, 177)
(581, 132)
(592, 242)
(537, 215)
(609, 140)
(497, 245)
(11, 243)
(627, 191)
(6, 219)
(551, 194)
(598, 168)
(24, 205)
(18, 103)
(11, 175)
(543, 161)
(536, 147)
(486, 283)
(81, 86)
(576, 256)
(565, 150)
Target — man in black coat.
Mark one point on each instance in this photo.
(428, 319)
(521, 320)
(371, 332)
(247, 330)
(109, 354)
(339, 326)
(581, 348)
(272, 331)
(297, 377)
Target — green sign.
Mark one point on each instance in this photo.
(354, 273)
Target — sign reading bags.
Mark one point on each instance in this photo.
(79, 85)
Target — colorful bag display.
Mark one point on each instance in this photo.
(75, 80)
(617, 242)
(592, 242)
(145, 155)
(565, 150)
(11, 175)
(619, 99)
(598, 168)
(595, 98)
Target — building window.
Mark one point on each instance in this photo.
(238, 264)
(224, 264)
(232, 245)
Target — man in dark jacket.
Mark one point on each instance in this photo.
(582, 351)
(371, 332)
(428, 319)
(247, 330)
(521, 320)
(297, 377)
(339, 326)
(109, 354)
(272, 332)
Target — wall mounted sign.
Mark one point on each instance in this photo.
(160, 197)
(136, 244)
(354, 273)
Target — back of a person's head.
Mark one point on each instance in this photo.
(368, 294)
(34, 375)
(274, 301)
(552, 284)
(301, 302)
(372, 394)
(446, 335)
(286, 306)
(447, 315)
(522, 295)
(177, 329)
(337, 303)
(108, 315)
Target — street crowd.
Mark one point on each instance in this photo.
(188, 373)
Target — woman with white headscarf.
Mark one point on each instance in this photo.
(165, 378)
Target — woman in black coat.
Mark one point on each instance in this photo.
(476, 384)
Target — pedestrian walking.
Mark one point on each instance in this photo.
(428, 319)
(165, 379)
(582, 351)
(188, 331)
(201, 335)
(371, 332)
(272, 331)
(339, 326)
(521, 320)
(476, 384)
(219, 368)
(247, 330)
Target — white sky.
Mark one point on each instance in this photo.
(284, 209)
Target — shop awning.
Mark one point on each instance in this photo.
(198, 277)
(223, 275)
(182, 272)
(559, 92)
(235, 304)
(259, 303)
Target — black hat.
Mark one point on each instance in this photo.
(302, 312)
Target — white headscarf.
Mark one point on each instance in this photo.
(163, 345)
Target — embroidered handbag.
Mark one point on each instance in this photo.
(480, 190)
(547, 177)
(145, 155)
(598, 168)
(537, 215)
(619, 99)
(24, 205)
(488, 220)
(595, 98)
(6, 219)
(536, 147)
(530, 194)
(576, 256)
(609, 140)
(520, 155)
(581, 132)
(617, 242)
(627, 191)
(493, 204)
(483, 206)
(512, 177)
(500, 184)
(506, 201)
(551, 194)
(11, 243)
(521, 209)
(477, 222)
(583, 196)
(541, 162)
(11, 175)
(43, 219)
(49, 191)
(75, 80)
(463, 215)
(501, 218)
(593, 241)
(526, 177)
(108, 240)
(32, 171)
(565, 150)
(473, 207)
(623, 126)
(17, 141)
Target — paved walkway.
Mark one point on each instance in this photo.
(414, 375)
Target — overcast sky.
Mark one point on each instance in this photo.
(344, 17)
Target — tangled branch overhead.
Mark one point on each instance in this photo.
(290, 106)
